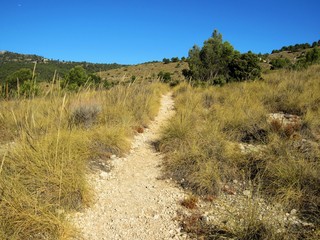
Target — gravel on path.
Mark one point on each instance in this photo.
(132, 201)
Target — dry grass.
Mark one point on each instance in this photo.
(190, 202)
(48, 144)
(146, 71)
(202, 142)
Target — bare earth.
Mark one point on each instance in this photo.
(131, 201)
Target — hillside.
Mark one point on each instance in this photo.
(145, 71)
(148, 71)
(11, 62)
(285, 53)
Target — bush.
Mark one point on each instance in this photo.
(164, 76)
(77, 76)
(17, 79)
(187, 74)
(166, 60)
(313, 56)
(85, 115)
(245, 67)
(30, 88)
(175, 59)
(94, 79)
(279, 63)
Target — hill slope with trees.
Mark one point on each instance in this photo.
(11, 62)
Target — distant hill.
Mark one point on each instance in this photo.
(295, 53)
(151, 70)
(6, 56)
(297, 47)
(145, 71)
(45, 68)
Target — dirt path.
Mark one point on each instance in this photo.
(131, 201)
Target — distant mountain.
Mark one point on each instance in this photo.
(45, 68)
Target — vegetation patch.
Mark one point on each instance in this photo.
(49, 144)
(252, 144)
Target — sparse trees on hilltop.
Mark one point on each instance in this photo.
(175, 59)
(166, 60)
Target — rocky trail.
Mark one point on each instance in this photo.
(131, 201)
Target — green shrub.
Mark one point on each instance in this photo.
(279, 63)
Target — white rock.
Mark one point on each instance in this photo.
(247, 193)
(293, 212)
(104, 174)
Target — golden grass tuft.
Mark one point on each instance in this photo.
(48, 146)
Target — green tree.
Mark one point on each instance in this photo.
(175, 59)
(166, 60)
(313, 56)
(18, 78)
(215, 56)
(75, 78)
(94, 79)
(279, 63)
(194, 61)
(244, 67)
(217, 62)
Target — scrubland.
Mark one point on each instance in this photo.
(48, 144)
(248, 154)
(226, 143)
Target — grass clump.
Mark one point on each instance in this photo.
(222, 135)
(190, 202)
(85, 115)
(51, 142)
(40, 180)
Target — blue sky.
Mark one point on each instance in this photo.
(131, 32)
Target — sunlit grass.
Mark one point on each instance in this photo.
(48, 145)
(203, 140)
